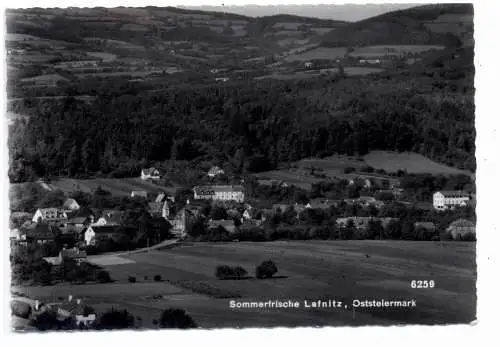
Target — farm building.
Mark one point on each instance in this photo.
(139, 194)
(215, 171)
(179, 222)
(460, 228)
(450, 199)
(150, 174)
(48, 215)
(221, 193)
(71, 204)
(98, 233)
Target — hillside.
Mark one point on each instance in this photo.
(253, 92)
(449, 25)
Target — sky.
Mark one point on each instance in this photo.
(347, 12)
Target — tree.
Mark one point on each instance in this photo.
(266, 269)
(176, 319)
(218, 213)
(116, 319)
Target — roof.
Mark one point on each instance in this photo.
(69, 202)
(71, 229)
(215, 170)
(160, 197)
(204, 189)
(40, 232)
(105, 229)
(462, 223)
(53, 213)
(73, 253)
(155, 207)
(454, 193)
(150, 171)
(113, 216)
(77, 220)
(140, 193)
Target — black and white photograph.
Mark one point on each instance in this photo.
(240, 166)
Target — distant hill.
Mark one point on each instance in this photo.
(446, 24)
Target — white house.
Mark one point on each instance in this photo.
(222, 193)
(450, 199)
(52, 214)
(308, 64)
(96, 233)
(214, 171)
(139, 194)
(151, 173)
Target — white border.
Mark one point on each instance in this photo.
(488, 174)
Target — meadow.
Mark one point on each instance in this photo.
(116, 186)
(312, 270)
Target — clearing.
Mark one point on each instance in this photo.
(311, 270)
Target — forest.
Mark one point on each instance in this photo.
(254, 125)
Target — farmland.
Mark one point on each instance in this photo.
(333, 167)
(411, 162)
(117, 187)
(336, 270)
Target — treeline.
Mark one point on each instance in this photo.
(252, 125)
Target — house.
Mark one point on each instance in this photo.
(97, 233)
(254, 215)
(71, 205)
(49, 215)
(155, 208)
(139, 194)
(367, 201)
(450, 199)
(179, 222)
(227, 224)
(83, 318)
(215, 171)
(430, 226)
(308, 64)
(322, 204)
(461, 227)
(110, 217)
(221, 79)
(150, 174)
(221, 193)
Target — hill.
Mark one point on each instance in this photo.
(446, 24)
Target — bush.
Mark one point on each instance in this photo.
(176, 319)
(266, 269)
(131, 279)
(115, 319)
(223, 272)
(103, 276)
(157, 278)
(20, 309)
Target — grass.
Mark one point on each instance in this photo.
(312, 270)
(117, 186)
(319, 53)
(411, 162)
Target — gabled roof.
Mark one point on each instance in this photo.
(454, 193)
(215, 170)
(155, 207)
(202, 189)
(105, 229)
(77, 220)
(141, 193)
(151, 171)
(69, 202)
(53, 213)
(160, 197)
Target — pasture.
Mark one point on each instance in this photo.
(411, 162)
(387, 50)
(310, 270)
(116, 186)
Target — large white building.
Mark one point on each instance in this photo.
(450, 199)
(222, 193)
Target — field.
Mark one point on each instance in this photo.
(372, 51)
(312, 270)
(333, 167)
(319, 53)
(118, 186)
(351, 71)
(411, 162)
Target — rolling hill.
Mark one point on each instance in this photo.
(447, 24)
